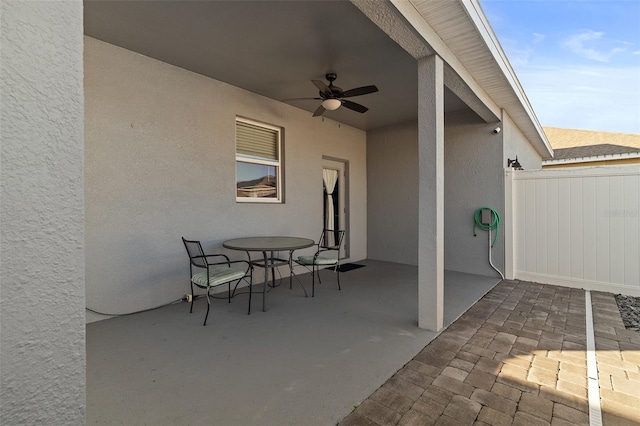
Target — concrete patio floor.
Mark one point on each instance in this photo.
(305, 361)
(517, 357)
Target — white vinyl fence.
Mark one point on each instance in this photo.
(576, 227)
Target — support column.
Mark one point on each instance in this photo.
(42, 308)
(431, 193)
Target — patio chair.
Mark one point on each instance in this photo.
(327, 254)
(213, 274)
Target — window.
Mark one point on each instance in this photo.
(258, 168)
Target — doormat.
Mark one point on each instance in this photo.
(349, 267)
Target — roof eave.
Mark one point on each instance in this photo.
(532, 127)
(500, 87)
(595, 158)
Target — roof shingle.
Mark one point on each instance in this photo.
(567, 138)
(592, 151)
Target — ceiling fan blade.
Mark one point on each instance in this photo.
(319, 111)
(301, 99)
(354, 106)
(359, 91)
(321, 86)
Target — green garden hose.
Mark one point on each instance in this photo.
(495, 223)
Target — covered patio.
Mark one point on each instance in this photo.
(129, 111)
(304, 361)
(166, 82)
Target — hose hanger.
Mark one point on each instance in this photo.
(486, 225)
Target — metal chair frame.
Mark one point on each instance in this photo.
(322, 247)
(201, 260)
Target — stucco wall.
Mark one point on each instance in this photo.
(392, 174)
(516, 144)
(42, 337)
(160, 164)
(473, 179)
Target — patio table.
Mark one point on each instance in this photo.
(268, 245)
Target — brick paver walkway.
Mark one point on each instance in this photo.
(618, 354)
(517, 357)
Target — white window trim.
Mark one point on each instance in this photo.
(277, 163)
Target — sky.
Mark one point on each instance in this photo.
(577, 60)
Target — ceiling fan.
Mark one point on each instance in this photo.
(332, 97)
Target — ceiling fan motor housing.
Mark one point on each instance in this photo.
(334, 91)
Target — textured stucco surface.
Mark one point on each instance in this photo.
(516, 144)
(392, 176)
(42, 339)
(474, 179)
(160, 164)
(431, 171)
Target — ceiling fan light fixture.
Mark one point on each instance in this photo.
(331, 104)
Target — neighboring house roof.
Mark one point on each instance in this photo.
(567, 138)
(582, 146)
(604, 149)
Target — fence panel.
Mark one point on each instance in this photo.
(576, 227)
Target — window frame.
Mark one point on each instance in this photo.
(278, 164)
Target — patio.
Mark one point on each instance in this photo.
(304, 361)
(517, 357)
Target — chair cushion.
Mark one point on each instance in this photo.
(219, 274)
(308, 260)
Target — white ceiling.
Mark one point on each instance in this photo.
(273, 48)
